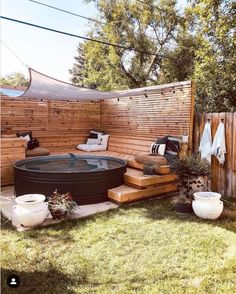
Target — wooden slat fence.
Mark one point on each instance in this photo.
(223, 176)
(167, 111)
(58, 125)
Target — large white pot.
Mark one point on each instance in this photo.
(31, 210)
(207, 205)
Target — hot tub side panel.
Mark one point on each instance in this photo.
(86, 188)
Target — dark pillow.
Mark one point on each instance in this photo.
(32, 144)
(23, 134)
(93, 136)
(162, 140)
(172, 147)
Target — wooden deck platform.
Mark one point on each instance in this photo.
(135, 177)
(126, 194)
(139, 186)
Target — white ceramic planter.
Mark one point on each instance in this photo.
(31, 210)
(6, 206)
(207, 205)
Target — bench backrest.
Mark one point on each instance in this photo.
(129, 145)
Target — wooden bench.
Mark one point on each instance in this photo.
(136, 186)
(12, 150)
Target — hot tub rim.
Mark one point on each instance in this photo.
(122, 161)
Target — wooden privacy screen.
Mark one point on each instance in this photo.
(50, 115)
(57, 125)
(167, 111)
(223, 176)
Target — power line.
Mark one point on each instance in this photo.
(80, 37)
(66, 11)
(14, 53)
(75, 14)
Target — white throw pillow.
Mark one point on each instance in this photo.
(158, 149)
(104, 140)
(27, 139)
(89, 148)
(94, 141)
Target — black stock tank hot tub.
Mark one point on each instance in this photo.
(87, 178)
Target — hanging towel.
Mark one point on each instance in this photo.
(206, 142)
(218, 146)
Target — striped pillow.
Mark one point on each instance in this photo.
(158, 148)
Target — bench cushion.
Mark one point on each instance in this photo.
(38, 151)
(155, 159)
(92, 147)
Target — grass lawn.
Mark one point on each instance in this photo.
(140, 248)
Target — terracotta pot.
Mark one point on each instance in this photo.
(183, 207)
(58, 214)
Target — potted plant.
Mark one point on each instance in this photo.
(192, 173)
(61, 205)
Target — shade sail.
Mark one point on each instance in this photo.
(48, 88)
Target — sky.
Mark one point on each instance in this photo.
(47, 52)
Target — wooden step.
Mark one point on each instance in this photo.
(137, 178)
(126, 194)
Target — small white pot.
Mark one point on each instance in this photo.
(207, 205)
(31, 210)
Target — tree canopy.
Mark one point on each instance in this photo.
(157, 44)
(14, 79)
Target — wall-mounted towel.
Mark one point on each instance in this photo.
(218, 146)
(206, 142)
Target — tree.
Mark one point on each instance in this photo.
(14, 79)
(180, 66)
(214, 24)
(78, 70)
(199, 45)
(147, 28)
